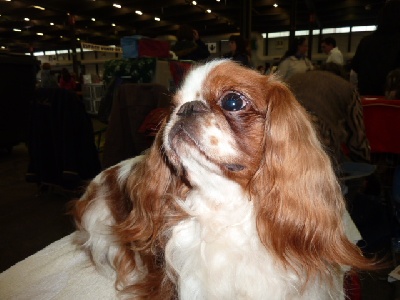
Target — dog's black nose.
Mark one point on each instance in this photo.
(193, 107)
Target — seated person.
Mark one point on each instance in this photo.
(189, 46)
(47, 79)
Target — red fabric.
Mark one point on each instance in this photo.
(153, 121)
(68, 85)
(382, 123)
(352, 286)
(178, 70)
(153, 48)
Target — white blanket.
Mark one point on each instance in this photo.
(63, 271)
(59, 271)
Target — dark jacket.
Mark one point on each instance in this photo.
(376, 55)
(61, 140)
(241, 58)
(191, 50)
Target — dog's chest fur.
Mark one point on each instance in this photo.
(217, 254)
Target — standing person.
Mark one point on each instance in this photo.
(295, 60)
(67, 81)
(238, 50)
(328, 46)
(189, 46)
(47, 80)
(378, 53)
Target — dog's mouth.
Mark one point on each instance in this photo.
(234, 167)
(181, 139)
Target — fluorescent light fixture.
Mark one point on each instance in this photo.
(93, 19)
(278, 34)
(208, 10)
(363, 28)
(218, 0)
(51, 23)
(275, 5)
(117, 5)
(301, 32)
(26, 19)
(16, 29)
(264, 35)
(39, 7)
(194, 2)
(39, 33)
(157, 19)
(113, 24)
(138, 12)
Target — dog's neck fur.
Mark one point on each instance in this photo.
(221, 257)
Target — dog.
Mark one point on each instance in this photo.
(236, 199)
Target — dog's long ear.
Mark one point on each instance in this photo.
(298, 200)
(152, 189)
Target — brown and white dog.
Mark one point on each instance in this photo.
(236, 199)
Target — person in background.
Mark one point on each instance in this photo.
(47, 79)
(67, 81)
(378, 53)
(295, 60)
(189, 46)
(328, 46)
(238, 50)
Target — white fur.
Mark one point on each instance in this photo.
(217, 253)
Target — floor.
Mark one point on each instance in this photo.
(31, 219)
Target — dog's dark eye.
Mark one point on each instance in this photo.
(233, 102)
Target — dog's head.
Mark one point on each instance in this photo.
(231, 121)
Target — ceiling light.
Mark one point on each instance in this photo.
(208, 10)
(113, 24)
(157, 19)
(139, 12)
(2, 47)
(52, 24)
(16, 29)
(39, 7)
(78, 39)
(275, 5)
(39, 33)
(61, 36)
(194, 2)
(218, 0)
(117, 5)
(26, 19)
(93, 19)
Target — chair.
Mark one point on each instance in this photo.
(382, 124)
(132, 103)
